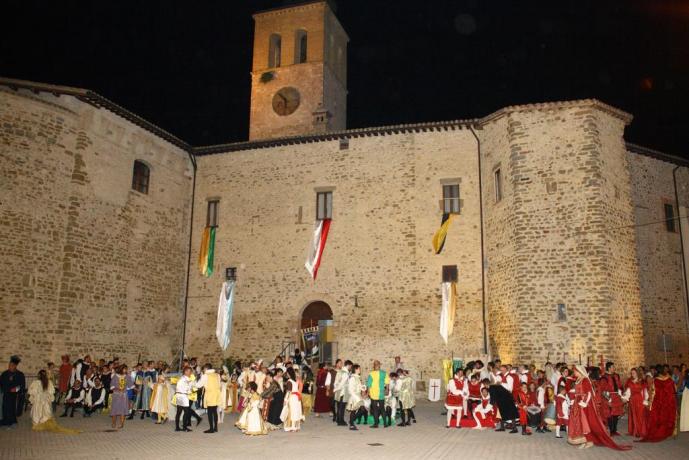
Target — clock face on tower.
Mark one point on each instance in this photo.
(286, 101)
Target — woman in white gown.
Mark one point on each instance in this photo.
(251, 422)
(42, 394)
(292, 415)
(684, 408)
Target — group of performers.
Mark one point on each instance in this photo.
(585, 402)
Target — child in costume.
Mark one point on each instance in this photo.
(159, 399)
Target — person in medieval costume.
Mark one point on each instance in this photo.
(340, 391)
(42, 395)
(662, 408)
(274, 398)
(292, 413)
(502, 398)
(355, 399)
(636, 396)
(562, 404)
(322, 403)
(684, 408)
(377, 383)
(406, 398)
(251, 421)
(120, 384)
(150, 376)
(210, 382)
(484, 413)
(159, 399)
(457, 391)
(611, 385)
(225, 394)
(586, 428)
(12, 386)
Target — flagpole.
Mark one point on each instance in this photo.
(186, 289)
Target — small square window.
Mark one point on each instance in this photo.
(231, 273)
(450, 274)
(344, 143)
(670, 218)
(561, 312)
(324, 205)
(212, 214)
(451, 199)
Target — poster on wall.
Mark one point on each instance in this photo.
(310, 340)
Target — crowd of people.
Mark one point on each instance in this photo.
(584, 403)
(266, 397)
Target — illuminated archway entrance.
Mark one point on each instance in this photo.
(316, 334)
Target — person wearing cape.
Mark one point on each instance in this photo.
(586, 428)
(662, 406)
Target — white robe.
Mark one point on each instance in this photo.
(684, 411)
(41, 402)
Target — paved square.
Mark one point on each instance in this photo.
(319, 438)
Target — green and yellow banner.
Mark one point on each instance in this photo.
(207, 251)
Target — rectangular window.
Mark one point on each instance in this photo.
(449, 273)
(212, 214)
(324, 205)
(497, 182)
(670, 218)
(451, 199)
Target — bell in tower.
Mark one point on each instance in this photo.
(299, 72)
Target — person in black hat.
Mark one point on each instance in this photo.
(12, 385)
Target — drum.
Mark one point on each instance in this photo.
(549, 415)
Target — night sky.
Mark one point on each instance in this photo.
(185, 65)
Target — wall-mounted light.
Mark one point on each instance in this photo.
(231, 273)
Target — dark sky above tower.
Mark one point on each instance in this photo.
(185, 65)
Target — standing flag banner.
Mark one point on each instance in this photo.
(320, 235)
(441, 234)
(223, 328)
(449, 307)
(434, 390)
(207, 251)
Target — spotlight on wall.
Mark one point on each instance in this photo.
(231, 273)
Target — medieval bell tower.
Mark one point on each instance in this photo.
(299, 72)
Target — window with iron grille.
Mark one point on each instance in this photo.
(140, 177)
(450, 274)
(451, 199)
(324, 205)
(670, 218)
(212, 214)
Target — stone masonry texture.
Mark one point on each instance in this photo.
(88, 265)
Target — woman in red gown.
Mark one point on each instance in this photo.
(662, 409)
(585, 426)
(636, 395)
(322, 404)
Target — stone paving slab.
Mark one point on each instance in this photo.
(319, 438)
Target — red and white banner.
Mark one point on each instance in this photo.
(320, 234)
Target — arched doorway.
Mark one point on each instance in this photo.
(316, 322)
(314, 312)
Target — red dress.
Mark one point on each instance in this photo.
(663, 411)
(322, 404)
(485, 414)
(611, 383)
(586, 422)
(637, 418)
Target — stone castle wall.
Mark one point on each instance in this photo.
(386, 209)
(566, 184)
(88, 265)
(659, 257)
